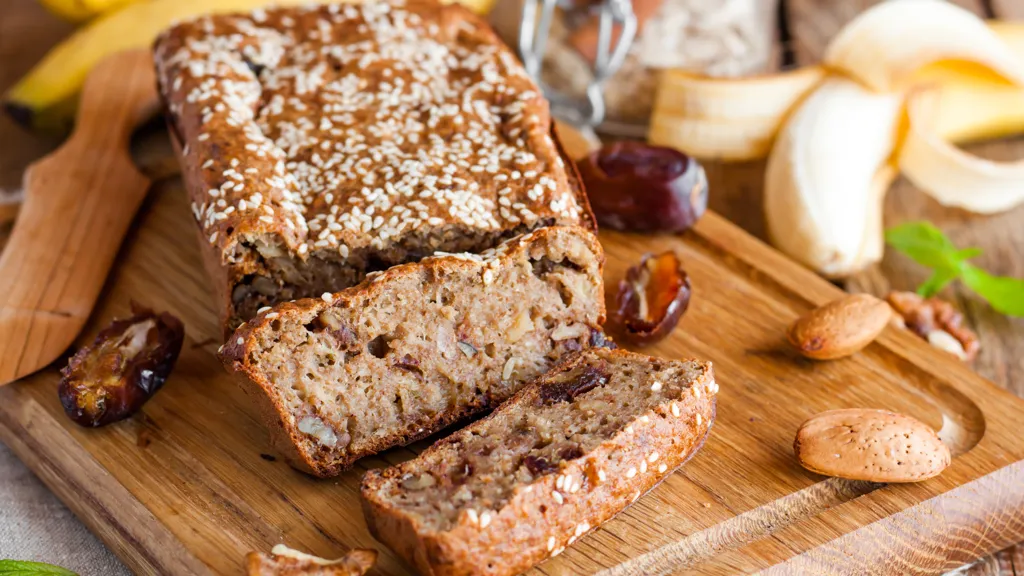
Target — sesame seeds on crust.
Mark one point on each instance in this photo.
(354, 126)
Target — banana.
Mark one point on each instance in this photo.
(737, 119)
(728, 119)
(82, 10)
(45, 99)
(948, 174)
(827, 175)
(886, 44)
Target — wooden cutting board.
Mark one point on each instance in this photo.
(190, 485)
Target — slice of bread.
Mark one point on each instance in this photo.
(283, 561)
(565, 454)
(417, 347)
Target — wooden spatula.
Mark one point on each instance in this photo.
(79, 202)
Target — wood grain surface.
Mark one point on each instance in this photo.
(79, 202)
(177, 476)
(191, 483)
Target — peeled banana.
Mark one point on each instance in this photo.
(82, 10)
(827, 175)
(883, 46)
(737, 119)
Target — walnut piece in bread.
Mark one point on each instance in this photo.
(322, 143)
(417, 347)
(566, 453)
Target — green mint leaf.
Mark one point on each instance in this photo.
(26, 568)
(937, 281)
(1004, 294)
(924, 243)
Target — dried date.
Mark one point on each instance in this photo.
(637, 187)
(652, 298)
(123, 368)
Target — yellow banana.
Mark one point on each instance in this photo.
(82, 10)
(45, 99)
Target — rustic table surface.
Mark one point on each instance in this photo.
(805, 27)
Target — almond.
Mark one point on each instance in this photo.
(872, 445)
(840, 328)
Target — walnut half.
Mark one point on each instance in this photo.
(938, 322)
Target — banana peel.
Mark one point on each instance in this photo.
(46, 98)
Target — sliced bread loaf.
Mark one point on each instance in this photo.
(565, 454)
(417, 347)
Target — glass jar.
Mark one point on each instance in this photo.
(714, 37)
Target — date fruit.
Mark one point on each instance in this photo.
(652, 298)
(122, 369)
(637, 187)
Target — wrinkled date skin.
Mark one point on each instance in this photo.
(122, 369)
(641, 188)
(652, 299)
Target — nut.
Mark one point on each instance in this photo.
(839, 328)
(520, 326)
(316, 428)
(565, 332)
(872, 445)
(938, 322)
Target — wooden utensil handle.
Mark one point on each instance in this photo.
(79, 202)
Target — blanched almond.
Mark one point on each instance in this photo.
(840, 328)
(872, 445)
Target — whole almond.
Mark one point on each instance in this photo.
(873, 445)
(840, 328)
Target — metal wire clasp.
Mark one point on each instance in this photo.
(533, 36)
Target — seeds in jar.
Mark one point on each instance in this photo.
(840, 328)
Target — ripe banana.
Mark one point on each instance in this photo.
(827, 175)
(46, 97)
(737, 119)
(82, 10)
(886, 44)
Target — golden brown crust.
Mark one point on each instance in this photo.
(237, 352)
(256, 175)
(532, 526)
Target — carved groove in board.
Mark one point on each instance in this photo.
(744, 528)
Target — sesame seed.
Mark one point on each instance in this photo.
(327, 297)
(631, 472)
(560, 482)
(629, 429)
(645, 419)
(696, 392)
(271, 316)
(263, 309)
(675, 410)
(698, 419)
(485, 519)
(643, 466)
(557, 496)
(472, 515)
(653, 457)
(557, 551)
(240, 341)
(601, 476)
(662, 467)
(551, 543)
(656, 386)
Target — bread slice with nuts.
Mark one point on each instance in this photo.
(419, 346)
(565, 454)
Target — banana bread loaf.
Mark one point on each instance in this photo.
(565, 454)
(322, 143)
(417, 347)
